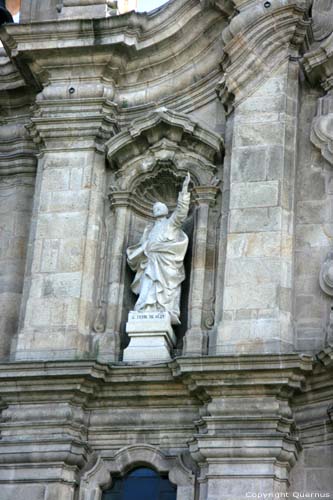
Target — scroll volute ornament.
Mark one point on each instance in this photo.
(322, 15)
(322, 127)
(326, 274)
(318, 66)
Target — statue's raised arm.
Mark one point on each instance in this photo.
(186, 183)
(183, 203)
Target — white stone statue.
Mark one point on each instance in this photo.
(158, 259)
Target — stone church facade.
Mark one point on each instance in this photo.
(102, 115)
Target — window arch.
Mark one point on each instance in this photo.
(141, 483)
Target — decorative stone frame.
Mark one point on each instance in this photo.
(172, 143)
(99, 477)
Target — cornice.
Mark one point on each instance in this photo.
(89, 377)
(163, 52)
(117, 148)
(326, 356)
(10, 77)
(257, 41)
(17, 150)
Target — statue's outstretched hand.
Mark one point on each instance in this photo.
(186, 183)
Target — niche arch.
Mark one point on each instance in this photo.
(100, 476)
(149, 161)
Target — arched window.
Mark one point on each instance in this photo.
(141, 484)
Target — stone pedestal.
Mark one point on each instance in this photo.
(151, 337)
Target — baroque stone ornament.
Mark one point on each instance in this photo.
(326, 274)
(158, 259)
(322, 15)
(318, 65)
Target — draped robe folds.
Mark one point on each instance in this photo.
(158, 262)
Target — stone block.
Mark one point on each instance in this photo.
(62, 285)
(59, 226)
(312, 185)
(275, 162)
(252, 271)
(248, 164)
(254, 194)
(259, 134)
(251, 336)
(255, 220)
(319, 480)
(313, 212)
(70, 256)
(266, 244)
(55, 179)
(49, 255)
(274, 86)
(24, 491)
(76, 176)
(313, 236)
(262, 104)
(250, 297)
(65, 201)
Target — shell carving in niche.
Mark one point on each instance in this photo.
(162, 185)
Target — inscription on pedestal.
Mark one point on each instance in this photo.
(138, 316)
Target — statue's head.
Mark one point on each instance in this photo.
(160, 209)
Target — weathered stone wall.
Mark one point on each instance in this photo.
(16, 198)
(119, 109)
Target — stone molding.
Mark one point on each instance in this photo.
(119, 47)
(54, 123)
(18, 152)
(312, 406)
(60, 409)
(247, 61)
(99, 477)
(326, 356)
(181, 145)
(10, 77)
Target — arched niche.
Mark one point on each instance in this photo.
(100, 476)
(148, 163)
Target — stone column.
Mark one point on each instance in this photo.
(195, 341)
(109, 342)
(245, 445)
(17, 184)
(59, 295)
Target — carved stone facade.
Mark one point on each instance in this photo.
(101, 116)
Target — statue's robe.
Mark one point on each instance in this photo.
(158, 262)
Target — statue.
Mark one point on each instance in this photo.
(158, 259)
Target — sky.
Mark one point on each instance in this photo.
(147, 5)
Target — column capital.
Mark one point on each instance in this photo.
(61, 124)
(205, 195)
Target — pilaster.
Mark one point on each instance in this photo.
(60, 287)
(246, 440)
(196, 338)
(17, 182)
(263, 91)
